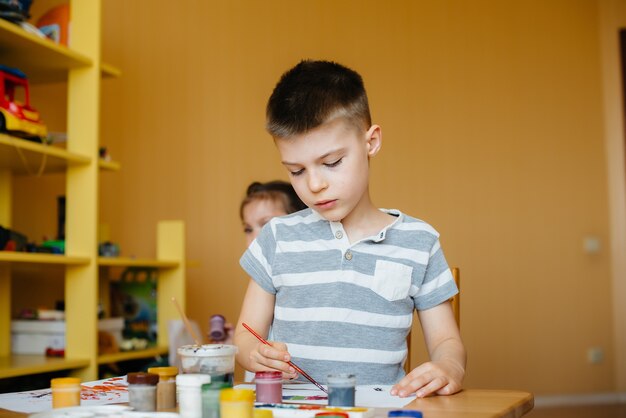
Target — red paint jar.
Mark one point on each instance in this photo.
(269, 386)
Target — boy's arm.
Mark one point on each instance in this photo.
(444, 373)
(257, 311)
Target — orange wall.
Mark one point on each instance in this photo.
(493, 132)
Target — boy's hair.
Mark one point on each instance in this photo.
(313, 93)
(277, 190)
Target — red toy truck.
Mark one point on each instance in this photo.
(17, 117)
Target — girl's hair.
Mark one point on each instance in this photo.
(276, 190)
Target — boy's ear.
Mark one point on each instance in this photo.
(374, 138)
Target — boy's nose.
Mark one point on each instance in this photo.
(316, 182)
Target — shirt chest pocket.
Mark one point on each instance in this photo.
(392, 280)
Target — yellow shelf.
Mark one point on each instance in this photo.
(37, 258)
(108, 70)
(22, 365)
(132, 355)
(13, 152)
(43, 60)
(109, 165)
(136, 262)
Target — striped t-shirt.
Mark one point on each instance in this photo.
(347, 308)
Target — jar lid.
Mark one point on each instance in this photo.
(341, 379)
(332, 414)
(207, 350)
(234, 395)
(164, 371)
(63, 382)
(263, 413)
(216, 385)
(269, 375)
(409, 413)
(142, 378)
(192, 379)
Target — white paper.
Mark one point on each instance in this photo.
(370, 396)
(99, 392)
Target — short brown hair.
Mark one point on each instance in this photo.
(314, 92)
(278, 191)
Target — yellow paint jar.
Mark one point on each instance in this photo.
(166, 388)
(236, 403)
(65, 391)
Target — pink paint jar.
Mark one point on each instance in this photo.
(269, 386)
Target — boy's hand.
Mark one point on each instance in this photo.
(264, 357)
(442, 377)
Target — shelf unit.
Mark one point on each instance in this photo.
(81, 68)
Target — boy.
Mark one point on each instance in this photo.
(338, 281)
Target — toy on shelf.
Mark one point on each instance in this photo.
(17, 117)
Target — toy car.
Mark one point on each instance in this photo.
(17, 117)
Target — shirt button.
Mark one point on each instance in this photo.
(348, 255)
(338, 234)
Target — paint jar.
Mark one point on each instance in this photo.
(166, 388)
(332, 414)
(237, 403)
(269, 386)
(142, 391)
(211, 359)
(190, 394)
(408, 413)
(216, 328)
(341, 389)
(211, 398)
(65, 391)
(262, 413)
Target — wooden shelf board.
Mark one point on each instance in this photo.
(109, 71)
(40, 58)
(22, 365)
(56, 159)
(132, 355)
(136, 262)
(38, 258)
(109, 165)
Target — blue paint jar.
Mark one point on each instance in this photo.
(404, 413)
(341, 389)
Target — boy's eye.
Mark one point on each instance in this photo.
(334, 164)
(297, 172)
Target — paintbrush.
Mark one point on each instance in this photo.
(298, 369)
(186, 322)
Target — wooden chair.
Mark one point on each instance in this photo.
(456, 308)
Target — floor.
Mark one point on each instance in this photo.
(591, 411)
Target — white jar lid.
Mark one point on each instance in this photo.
(192, 379)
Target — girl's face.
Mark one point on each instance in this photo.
(257, 213)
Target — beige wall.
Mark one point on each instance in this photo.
(492, 114)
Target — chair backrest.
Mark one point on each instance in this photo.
(455, 301)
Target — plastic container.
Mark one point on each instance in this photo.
(189, 388)
(65, 391)
(211, 359)
(166, 388)
(237, 403)
(341, 389)
(262, 413)
(408, 413)
(211, 398)
(269, 386)
(142, 391)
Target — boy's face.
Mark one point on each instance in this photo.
(329, 166)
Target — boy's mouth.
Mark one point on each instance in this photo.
(326, 204)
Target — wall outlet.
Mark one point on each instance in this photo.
(595, 355)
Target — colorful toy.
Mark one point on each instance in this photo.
(17, 117)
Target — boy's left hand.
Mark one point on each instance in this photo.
(443, 377)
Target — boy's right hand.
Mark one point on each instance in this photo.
(274, 357)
